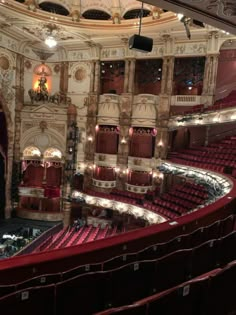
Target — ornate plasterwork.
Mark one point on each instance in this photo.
(113, 53)
(53, 134)
(42, 30)
(144, 110)
(60, 128)
(122, 207)
(109, 106)
(190, 49)
(80, 71)
(34, 137)
(7, 78)
(8, 42)
(108, 160)
(75, 55)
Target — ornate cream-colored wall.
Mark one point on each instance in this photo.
(44, 126)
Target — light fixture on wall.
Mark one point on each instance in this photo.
(50, 32)
(50, 42)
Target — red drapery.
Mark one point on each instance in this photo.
(139, 178)
(104, 173)
(33, 176)
(107, 142)
(53, 177)
(141, 145)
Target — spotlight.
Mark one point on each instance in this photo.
(186, 21)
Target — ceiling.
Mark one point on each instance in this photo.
(218, 13)
(28, 24)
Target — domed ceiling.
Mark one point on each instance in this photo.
(88, 23)
(79, 22)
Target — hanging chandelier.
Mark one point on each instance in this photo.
(50, 41)
(50, 32)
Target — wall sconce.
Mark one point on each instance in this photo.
(70, 150)
(123, 141)
(117, 169)
(154, 175)
(90, 138)
(160, 144)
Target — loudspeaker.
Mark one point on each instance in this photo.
(140, 43)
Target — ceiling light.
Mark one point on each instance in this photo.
(50, 41)
(180, 16)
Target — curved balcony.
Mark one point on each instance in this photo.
(138, 189)
(104, 183)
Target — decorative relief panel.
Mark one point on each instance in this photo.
(144, 109)
(190, 48)
(108, 106)
(59, 128)
(113, 53)
(79, 79)
(76, 55)
(140, 164)
(7, 78)
(157, 51)
(109, 160)
(8, 43)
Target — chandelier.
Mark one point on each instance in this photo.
(50, 41)
(50, 31)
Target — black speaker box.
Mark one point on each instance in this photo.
(140, 43)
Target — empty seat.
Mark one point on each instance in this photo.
(205, 257)
(131, 282)
(37, 301)
(84, 294)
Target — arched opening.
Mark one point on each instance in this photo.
(54, 8)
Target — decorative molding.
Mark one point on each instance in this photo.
(138, 189)
(104, 184)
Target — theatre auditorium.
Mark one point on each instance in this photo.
(117, 157)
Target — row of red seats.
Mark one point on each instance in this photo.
(71, 237)
(190, 297)
(157, 250)
(210, 160)
(194, 190)
(211, 167)
(129, 194)
(95, 291)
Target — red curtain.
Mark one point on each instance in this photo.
(33, 176)
(53, 177)
(104, 173)
(141, 145)
(139, 178)
(51, 205)
(107, 142)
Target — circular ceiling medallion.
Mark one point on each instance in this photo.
(80, 74)
(4, 63)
